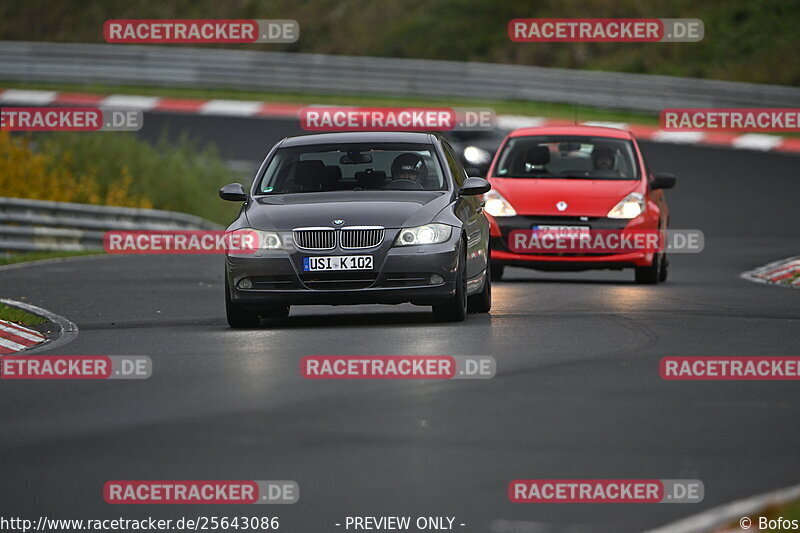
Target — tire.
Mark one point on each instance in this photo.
(649, 275)
(664, 272)
(238, 317)
(482, 302)
(454, 309)
(497, 271)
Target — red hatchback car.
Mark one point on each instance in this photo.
(575, 178)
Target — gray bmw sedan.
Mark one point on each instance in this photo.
(359, 218)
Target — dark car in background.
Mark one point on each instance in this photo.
(476, 148)
(360, 218)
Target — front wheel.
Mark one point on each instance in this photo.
(664, 273)
(497, 271)
(454, 309)
(482, 302)
(649, 275)
(238, 317)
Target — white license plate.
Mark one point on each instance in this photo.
(562, 231)
(337, 262)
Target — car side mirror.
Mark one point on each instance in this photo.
(233, 192)
(474, 187)
(662, 180)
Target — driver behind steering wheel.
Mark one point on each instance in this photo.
(603, 157)
(409, 167)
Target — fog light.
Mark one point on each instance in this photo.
(245, 284)
(436, 279)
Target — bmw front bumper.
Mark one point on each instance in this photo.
(421, 275)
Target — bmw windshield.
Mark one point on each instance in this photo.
(563, 157)
(353, 167)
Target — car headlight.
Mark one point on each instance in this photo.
(258, 239)
(497, 206)
(427, 234)
(269, 240)
(629, 207)
(477, 156)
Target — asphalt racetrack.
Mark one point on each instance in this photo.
(577, 392)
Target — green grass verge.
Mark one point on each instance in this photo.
(18, 316)
(790, 510)
(9, 259)
(511, 107)
(790, 280)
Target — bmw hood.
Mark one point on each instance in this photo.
(390, 209)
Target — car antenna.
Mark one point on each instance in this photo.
(575, 113)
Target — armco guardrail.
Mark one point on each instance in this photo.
(163, 66)
(36, 225)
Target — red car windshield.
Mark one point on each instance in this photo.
(570, 157)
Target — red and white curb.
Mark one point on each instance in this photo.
(230, 108)
(245, 108)
(15, 338)
(785, 272)
(736, 516)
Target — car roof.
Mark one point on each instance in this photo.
(595, 131)
(360, 137)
